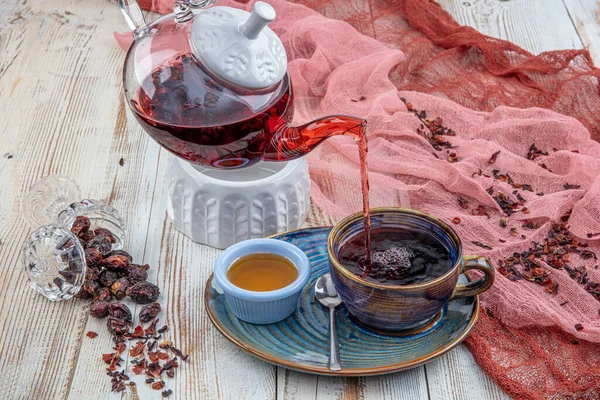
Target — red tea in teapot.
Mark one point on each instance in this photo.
(185, 111)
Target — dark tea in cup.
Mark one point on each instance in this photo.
(399, 256)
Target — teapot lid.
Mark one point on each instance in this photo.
(238, 47)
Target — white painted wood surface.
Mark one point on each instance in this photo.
(61, 111)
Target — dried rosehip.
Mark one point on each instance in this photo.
(120, 253)
(80, 226)
(149, 312)
(101, 243)
(119, 288)
(92, 257)
(92, 273)
(91, 286)
(107, 277)
(99, 309)
(107, 234)
(120, 311)
(117, 327)
(143, 292)
(103, 294)
(116, 262)
(83, 294)
(137, 273)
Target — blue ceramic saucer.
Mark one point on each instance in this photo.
(301, 341)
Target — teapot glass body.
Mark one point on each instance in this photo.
(204, 118)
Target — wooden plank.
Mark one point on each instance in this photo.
(456, 376)
(535, 25)
(585, 15)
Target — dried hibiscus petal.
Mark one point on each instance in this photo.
(153, 356)
(137, 349)
(154, 370)
(158, 385)
(138, 332)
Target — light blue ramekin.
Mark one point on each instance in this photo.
(262, 307)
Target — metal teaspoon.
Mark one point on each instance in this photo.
(327, 295)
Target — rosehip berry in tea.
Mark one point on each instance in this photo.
(398, 257)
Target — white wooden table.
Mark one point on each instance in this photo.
(61, 111)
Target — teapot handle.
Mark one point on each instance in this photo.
(133, 15)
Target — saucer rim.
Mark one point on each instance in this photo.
(388, 369)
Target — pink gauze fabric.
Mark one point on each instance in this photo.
(334, 69)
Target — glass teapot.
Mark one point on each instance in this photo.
(211, 86)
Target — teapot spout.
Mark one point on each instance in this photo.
(291, 142)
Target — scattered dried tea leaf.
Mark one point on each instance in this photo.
(91, 334)
(175, 350)
(456, 220)
(484, 246)
(137, 349)
(493, 158)
(534, 152)
(158, 385)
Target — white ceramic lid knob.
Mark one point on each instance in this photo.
(262, 14)
(238, 47)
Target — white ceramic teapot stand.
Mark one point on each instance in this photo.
(222, 207)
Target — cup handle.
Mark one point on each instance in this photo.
(480, 285)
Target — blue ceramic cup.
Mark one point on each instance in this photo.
(262, 307)
(403, 307)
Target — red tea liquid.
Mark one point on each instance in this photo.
(398, 257)
(187, 112)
